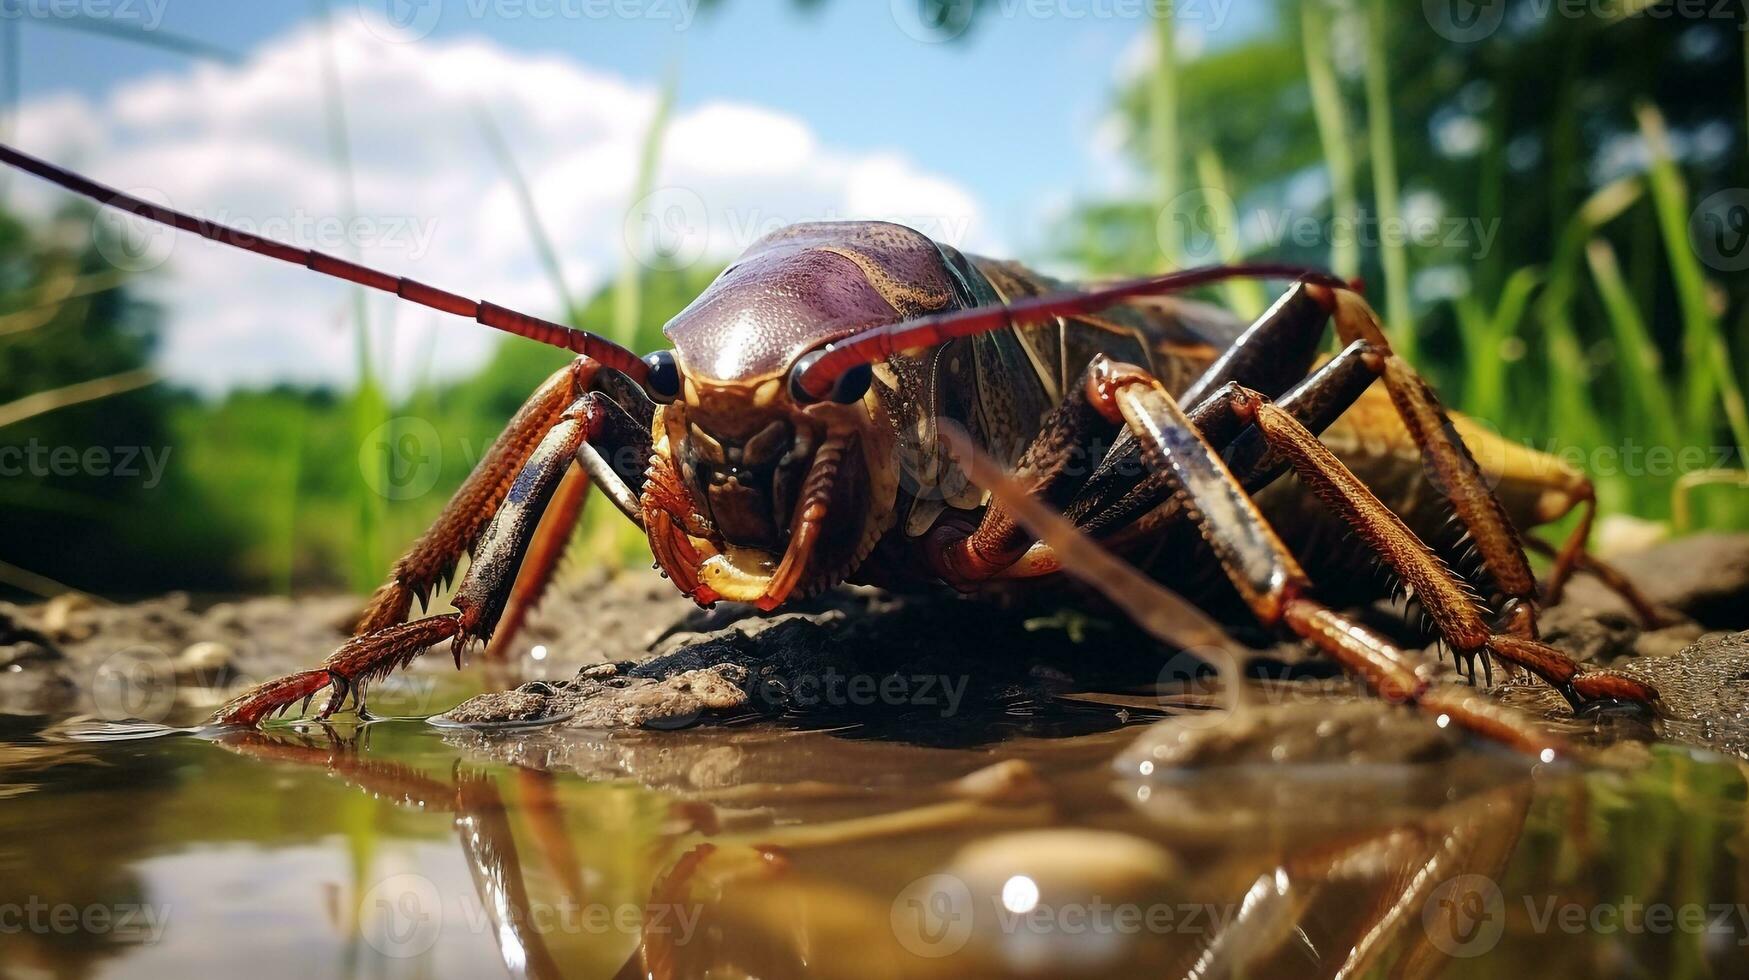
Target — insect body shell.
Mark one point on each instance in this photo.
(807, 285)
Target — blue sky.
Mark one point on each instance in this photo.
(1008, 116)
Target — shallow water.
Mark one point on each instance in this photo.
(400, 849)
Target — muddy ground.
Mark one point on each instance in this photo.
(626, 651)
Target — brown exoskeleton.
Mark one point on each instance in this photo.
(798, 435)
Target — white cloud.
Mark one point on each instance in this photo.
(248, 145)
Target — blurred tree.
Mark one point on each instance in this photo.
(1518, 126)
(87, 464)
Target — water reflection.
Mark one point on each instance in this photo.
(398, 849)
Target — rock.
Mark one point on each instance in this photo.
(1295, 732)
(205, 664)
(1668, 641)
(1588, 634)
(501, 708)
(1703, 576)
(62, 616)
(615, 702)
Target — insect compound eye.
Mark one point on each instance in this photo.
(664, 380)
(847, 389)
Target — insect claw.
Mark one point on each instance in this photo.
(306, 706)
(338, 698)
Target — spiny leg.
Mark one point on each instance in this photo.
(1122, 497)
(489, 586)
(1450, 465)
(1454, 608)
(1270, 580)
(1456, 475)
(481, 598)
(631, 443)
(435, 555)
(1163, 613)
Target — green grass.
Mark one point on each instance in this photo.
(1387, 190)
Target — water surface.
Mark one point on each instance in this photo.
(401, 849)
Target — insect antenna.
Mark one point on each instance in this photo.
(818, 371)
(582, 342)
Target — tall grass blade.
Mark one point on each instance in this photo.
(11, 85)
(1387, 192)
(537, 232)
(1485, 338)
(1245, 296)
(1333, 136)
(1709, 372)
(1638, 362)
(43, 402)
(1572, 412)
(628, 290)
(1163, 128)
(369, 408)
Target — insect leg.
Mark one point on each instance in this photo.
(1123, 490)
(1457, 476)
(1455, 609)
(1053, 468)
(433, 558)
(1254, 559)
(1124, 500)
(483, 596)
(545, 548)
(619, 439)
(1273, 353)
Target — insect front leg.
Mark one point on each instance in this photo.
(619, 477)
(433, 558)
(486, 593)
